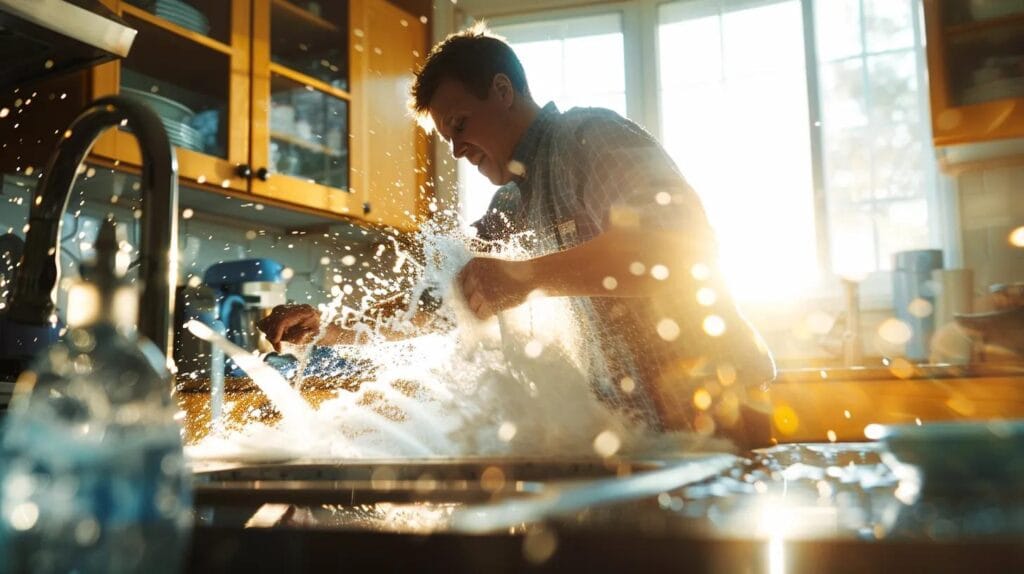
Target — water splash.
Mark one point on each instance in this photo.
(451, 387)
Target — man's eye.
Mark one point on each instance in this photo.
(459, 126)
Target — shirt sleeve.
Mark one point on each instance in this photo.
(624, 178)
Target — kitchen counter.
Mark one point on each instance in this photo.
(792, 508)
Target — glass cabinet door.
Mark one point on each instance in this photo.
(976, 68)
(203, 98)
(300, 116)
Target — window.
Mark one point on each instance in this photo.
(734, 117)
(752, 125)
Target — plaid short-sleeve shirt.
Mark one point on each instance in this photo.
(588, 169)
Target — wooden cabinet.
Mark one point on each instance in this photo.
(976, 69)
(295, 102)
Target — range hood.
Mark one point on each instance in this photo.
(42, 38)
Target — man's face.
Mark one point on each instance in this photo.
(476, 129)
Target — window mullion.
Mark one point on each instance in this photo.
(821, 220)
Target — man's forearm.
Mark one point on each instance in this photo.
(618, 263)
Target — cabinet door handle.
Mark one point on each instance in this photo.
(263, 174)
(366, 208)
(244, 171)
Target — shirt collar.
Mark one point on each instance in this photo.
(526, 150)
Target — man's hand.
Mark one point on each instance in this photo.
(493, 285)
(296, 324)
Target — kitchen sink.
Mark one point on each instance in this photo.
(455, 495)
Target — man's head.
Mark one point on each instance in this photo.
(473, 90)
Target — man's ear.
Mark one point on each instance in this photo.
(502, 87)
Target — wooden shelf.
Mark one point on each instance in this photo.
(185, 33)
(305, 144)
(300, 78)
(981, 27)
(301, 15)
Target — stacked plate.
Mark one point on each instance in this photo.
(175, 117)
(182, 14)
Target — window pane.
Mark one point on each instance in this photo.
(572, 61)
(842, 95)
(837, 28)
(889, 24)
(893, 89)
(743, 140)
(681, 56)
(847, 166)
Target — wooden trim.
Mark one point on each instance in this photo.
(316, 197)
(192, 165)
(960, 168)
(936, 53)
(259, 116)
(980, 27)
(305, 15)
(316, 84)
(359, 147)
(239, 88)
(190, 35)
(207, 187)
(999, 119)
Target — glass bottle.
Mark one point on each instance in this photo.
(95, 478)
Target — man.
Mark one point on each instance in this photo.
(612, 226)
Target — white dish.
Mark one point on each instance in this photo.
(998, 90)
(166, 108)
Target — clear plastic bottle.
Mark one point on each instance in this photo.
(94, 476)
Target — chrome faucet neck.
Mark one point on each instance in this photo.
(32, 297)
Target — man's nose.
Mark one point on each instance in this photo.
(458, 149)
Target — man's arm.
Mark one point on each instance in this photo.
(299, 324)
(607, 266)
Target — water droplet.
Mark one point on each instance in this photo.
(874, 431)
(607, 444)
(920, 308)
(627, 384)
(540, 544)
(348, 260)
(610, 283)
(668, 329)
(533, 349)
(659, 272)
(895, 331)
(24, 516)
(663, 198)
(637, 268)
(831, 434)
(785, 419)
(187, 213)
(287, 273)
(714, 325)
(4, 112)
(1016, 237)
(700, 272)
(507, 431)
(702, 399)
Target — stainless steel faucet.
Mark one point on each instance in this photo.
(31, 302)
